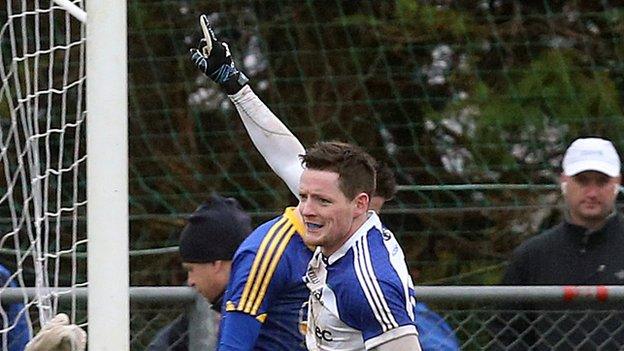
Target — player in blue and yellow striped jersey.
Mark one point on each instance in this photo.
(266, 291)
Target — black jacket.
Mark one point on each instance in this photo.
(173, 337)
(566, 254)
(569, 254)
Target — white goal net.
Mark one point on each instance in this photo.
(44, 136)
(43, 166)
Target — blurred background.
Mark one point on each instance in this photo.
(472, 104)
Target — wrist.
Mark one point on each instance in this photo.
(244, 95)
(235, 83)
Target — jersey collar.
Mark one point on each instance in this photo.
(290, 213)
(294, 217)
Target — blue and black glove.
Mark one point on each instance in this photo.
(213, 58)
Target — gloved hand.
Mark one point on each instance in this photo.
(213, 58)
(59, 335)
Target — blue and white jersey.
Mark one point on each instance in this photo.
(361, 295)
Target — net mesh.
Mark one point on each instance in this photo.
(43, 160)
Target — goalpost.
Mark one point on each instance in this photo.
(63, 160)
(107, 171)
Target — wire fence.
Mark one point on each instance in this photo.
(489, 318)
(481, 317)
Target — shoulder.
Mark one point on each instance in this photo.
(531, 253)
(370, 284)
(380, 252)
(265, 264)
(541, 241)
(269, 234)
(261, 247)
(372, 259)
(254, 240)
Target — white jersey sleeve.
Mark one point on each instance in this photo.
(275, 142)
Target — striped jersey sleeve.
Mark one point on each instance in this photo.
(256, 276)
(380, 304)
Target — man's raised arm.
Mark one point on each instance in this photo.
(275, 142)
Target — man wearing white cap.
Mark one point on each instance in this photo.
(585, 249)
(590, 181)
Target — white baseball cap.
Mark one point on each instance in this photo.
(591, 154)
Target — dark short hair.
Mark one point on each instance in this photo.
(385, 181)
(355, 167)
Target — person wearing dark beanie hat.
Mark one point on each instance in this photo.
(214, 231)
(208, 243)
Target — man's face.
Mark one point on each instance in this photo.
(209, 279)
(329, 216)
(590, 196)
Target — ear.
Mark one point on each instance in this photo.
(563, 183)
(361, 202)
(223, 266)
(218, 264)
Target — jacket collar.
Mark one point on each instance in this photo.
(216, 306)
(586, 237)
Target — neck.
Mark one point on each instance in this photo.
(591, 224)
(357, 223)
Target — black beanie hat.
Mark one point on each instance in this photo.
(214, 231)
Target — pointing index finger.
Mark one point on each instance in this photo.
(205, 26)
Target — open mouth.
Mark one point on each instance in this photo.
(313, 226)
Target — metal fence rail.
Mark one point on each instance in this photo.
(482, 317)
(470, 293)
